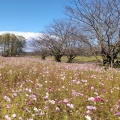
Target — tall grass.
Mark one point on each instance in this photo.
(31, 89)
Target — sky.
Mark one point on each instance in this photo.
(29, 16)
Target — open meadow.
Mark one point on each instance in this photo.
(32, 89)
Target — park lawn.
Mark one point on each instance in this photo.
(77, 59)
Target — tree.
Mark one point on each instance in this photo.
(39, 47)
(54, 45)
(60, 40)
(11, 44)
(20, 44)
(56, 37)
(74, 47)
(100, 21)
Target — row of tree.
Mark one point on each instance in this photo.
(59, 40)
(93, 25)
(11, 44)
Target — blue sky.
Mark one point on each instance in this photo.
(29, 15)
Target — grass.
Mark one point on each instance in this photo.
(84, 59)
(78, 59)
(32, 89)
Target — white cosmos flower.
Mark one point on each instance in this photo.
(7, 98)
(14, 115)
(88, 117)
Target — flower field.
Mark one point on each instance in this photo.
(31, 89)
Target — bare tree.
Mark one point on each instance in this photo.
(74, 47)
(57, 37)
(100, 21)
(39, 47)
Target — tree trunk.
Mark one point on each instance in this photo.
(108, 60)
(58, 58)
(43, 57)
(70, 58)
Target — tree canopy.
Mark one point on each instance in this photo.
(11, 44)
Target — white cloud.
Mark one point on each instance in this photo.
(26, 35)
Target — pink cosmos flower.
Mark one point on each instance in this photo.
(60, 102)
(91, 108)
(116, 113)
(8, 106)
(89, 112)
(92, 88)
(97, 98)
(7, 117)
(104, 91)
(29, 103)
(65, 101)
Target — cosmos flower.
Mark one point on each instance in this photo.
(70, 106)
(88, 117)
(7, 98)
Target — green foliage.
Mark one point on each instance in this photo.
(11, 44)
